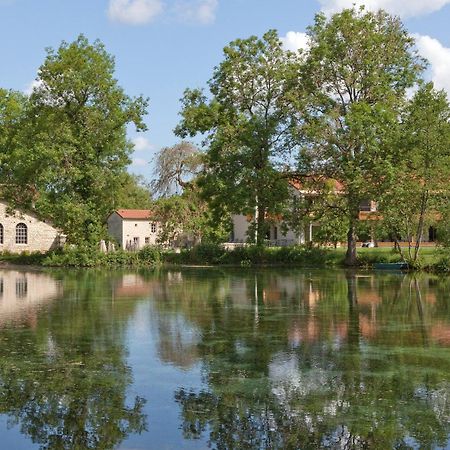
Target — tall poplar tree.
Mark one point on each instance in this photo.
(356, 74)
(420, 195)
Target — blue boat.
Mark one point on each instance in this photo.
(391, 266)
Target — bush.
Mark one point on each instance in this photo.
(91, 257)
(443, 265)
(251, 255)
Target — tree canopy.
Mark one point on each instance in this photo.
(352, 88)
(246, 120)
(70, 152)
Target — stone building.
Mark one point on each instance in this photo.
(23, 231)
(133, 228)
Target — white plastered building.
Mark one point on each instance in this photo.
(133, 228)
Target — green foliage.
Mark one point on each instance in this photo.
(186, 220)
(419, 195)
(351, 89)
(253, 255)
(371, 256)
(91, 257)
(131, 192)
(69, 152)
(246, 123)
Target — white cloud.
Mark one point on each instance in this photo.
(439, 59)
(32, 86)
(403, 8)
(295, 40)
(196, 11)
(139, 162)
(134, 12)
(141, 143)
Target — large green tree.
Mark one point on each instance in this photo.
(246, 120)
(419, 196)
(12, 110)
(73, 151)
(355, 77)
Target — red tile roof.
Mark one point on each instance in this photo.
(338, 186)
(134, 213)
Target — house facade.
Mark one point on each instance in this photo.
(279, 235)
(23, 231)
(276, 234)
(133, 229)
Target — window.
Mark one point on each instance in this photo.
(153, 227)
(432, 234)
(275, 233)
(147, 240)
(21, 234)
(1, 233)
(21, 287)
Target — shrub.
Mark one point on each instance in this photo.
(91, 257)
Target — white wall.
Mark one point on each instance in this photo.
(41, 236)
(241, 225)
(126, 230)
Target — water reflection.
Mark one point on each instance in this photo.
(23, 293)
(63, 376)
(318, 360)
(249, 359)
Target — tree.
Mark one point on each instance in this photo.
(175, 167)
(73, 151)
(356, 72)
(12, 109)
(246, 123)
(419, 195)
(187, 219)
(132, 192)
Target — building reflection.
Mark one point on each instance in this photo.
(22, 294)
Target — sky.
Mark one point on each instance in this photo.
(161, 47)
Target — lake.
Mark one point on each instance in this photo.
(224, 358)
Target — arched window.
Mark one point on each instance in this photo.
(1, 233)
(21, 234)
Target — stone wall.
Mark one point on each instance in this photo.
(41, 236)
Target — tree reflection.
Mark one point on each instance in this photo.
(359, 371)
(64, 380)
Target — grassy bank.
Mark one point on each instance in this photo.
(207, 254)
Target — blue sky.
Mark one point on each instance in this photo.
(163, 46)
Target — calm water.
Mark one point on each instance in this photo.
(226, 359)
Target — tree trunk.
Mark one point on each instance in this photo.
(260, 225)
(351, 257)
(420, 227)
(353, 313)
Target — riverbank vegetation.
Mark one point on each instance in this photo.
(431, 259)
